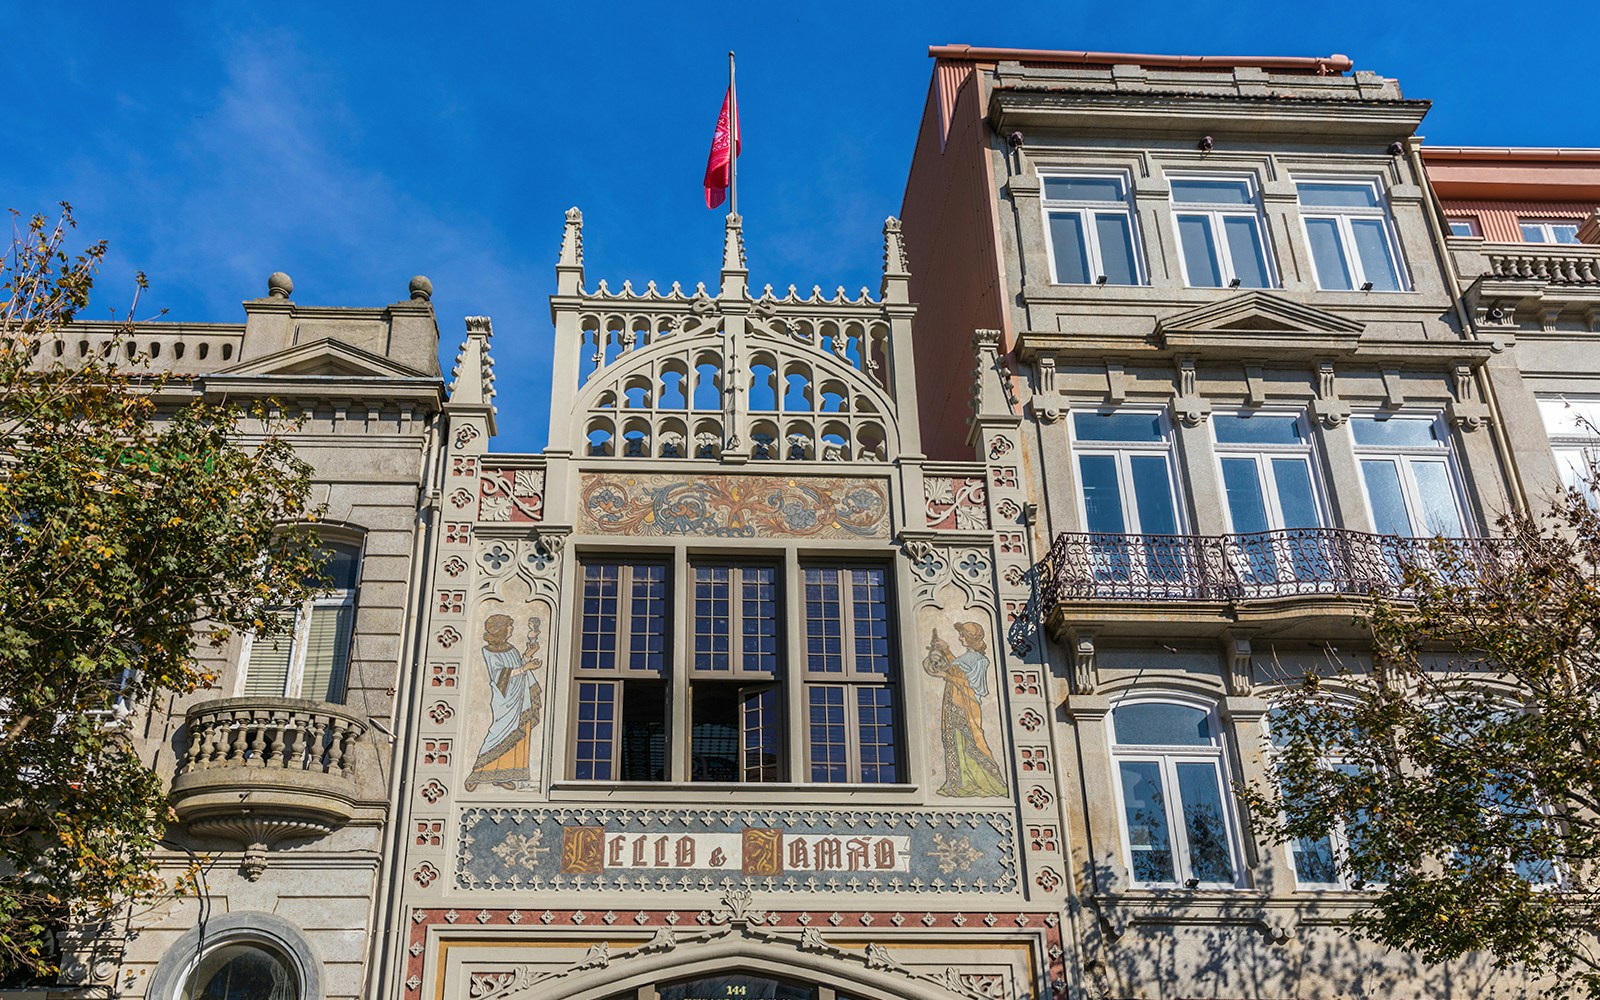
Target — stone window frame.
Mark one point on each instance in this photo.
(339, 599)
(1342, 215)
(238, 927)
(1086, 210)
(1217, 755)
(1215, 212)
(794, 680)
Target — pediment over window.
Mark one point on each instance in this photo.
(325, 357)
(1253, 322)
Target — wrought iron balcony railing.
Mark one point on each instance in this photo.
(1302, 562)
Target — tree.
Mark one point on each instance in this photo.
(1459, 777)
(136, 527)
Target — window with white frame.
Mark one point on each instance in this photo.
(310, 656)
(1272, 492)
(1268, 475)
(1548, 231)
(1323, 862)
(1177, 821)
(1351, 236)
(1127, 488)
(1220, 229)
(1464, 226)
(1091, 230)
(1412, 487)
(1573, 424)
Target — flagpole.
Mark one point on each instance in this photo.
(733, 141)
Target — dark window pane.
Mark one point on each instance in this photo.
(1327, 252)
(1211, 192)
(763, 744)
(1069, 247)
(714, 735)
(1160, 724)
(1335, 195)
(1117, 426)
(1145, 811)
(1083, 188)
(1245, 251)
(1102, 498)
(871, 614)
(1260, 428)
(592, 756)
(1200, 792)
(1115, 236)
(644, 731)
(824, 622)
(1199, 251)
(875, 706)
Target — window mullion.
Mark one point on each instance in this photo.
(793, 672)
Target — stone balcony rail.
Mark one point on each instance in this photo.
(1556, 264)
(258, 770)
(1260, 566)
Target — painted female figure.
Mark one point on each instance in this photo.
(969, 767)
(514, 705)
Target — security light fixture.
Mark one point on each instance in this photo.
(1396, 148)
(1366, 286)
(1016, 140)
(1206, 144)
(1193, 883)
(1100, 280)
(1234, 283)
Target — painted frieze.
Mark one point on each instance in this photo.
(725, 506)
(779, 850)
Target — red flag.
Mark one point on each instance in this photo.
(719, 164)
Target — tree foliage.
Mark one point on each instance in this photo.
(1458, 778)
(136, 527)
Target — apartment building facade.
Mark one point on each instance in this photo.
(1232, 332)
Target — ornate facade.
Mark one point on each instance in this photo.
(817, 658)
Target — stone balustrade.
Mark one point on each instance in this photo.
(258, 770)
(1556, 264)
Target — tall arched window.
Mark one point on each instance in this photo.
(311, 657)
(1178, 825)
(242, 970)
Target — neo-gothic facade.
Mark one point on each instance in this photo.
(905, 645)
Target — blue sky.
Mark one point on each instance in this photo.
(354, 145)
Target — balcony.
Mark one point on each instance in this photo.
(260, 770)
(1549, 287)
(1306, 580)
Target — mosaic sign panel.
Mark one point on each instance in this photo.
(723, 506)
(662, 850)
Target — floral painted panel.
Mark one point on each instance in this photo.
(724, 506)
(511, 495)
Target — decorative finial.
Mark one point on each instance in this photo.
(421, 289)
(279, 285)
(572, 238)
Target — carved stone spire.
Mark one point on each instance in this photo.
(896, 272)
(569, 268)
(472, 384)
(734, 274)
